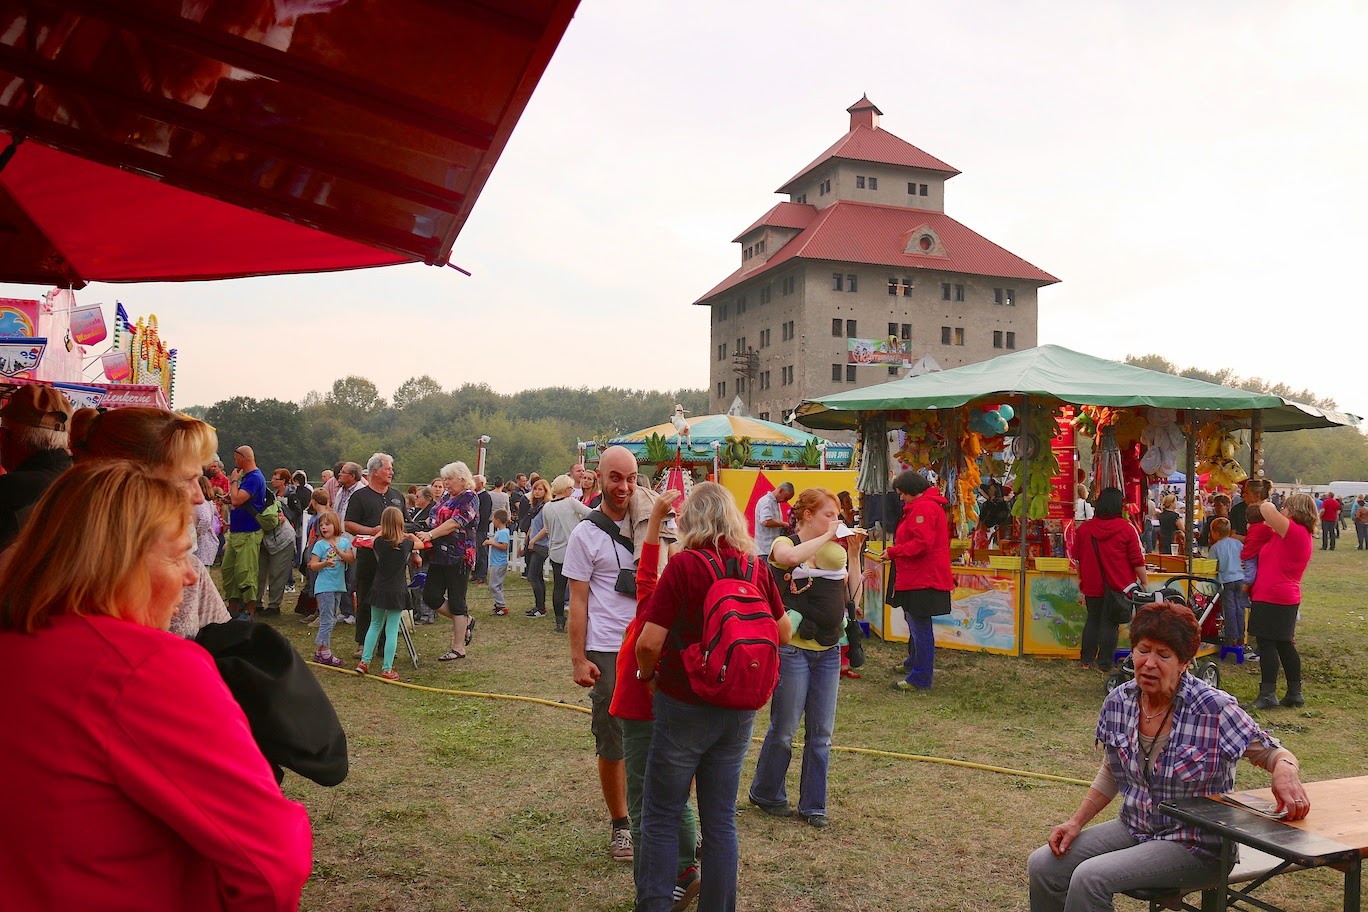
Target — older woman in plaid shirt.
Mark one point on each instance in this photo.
(1166, 735)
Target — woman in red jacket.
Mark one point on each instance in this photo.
(140, 785)
(1108, 551)
(921, 573)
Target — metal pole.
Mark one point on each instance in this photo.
(1191, 487)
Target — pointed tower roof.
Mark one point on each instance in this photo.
(866, 141)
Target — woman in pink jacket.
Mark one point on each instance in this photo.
(921, 573)
(141, 787)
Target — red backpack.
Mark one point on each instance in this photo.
(736, 663)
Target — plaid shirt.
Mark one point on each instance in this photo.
(1209, 735)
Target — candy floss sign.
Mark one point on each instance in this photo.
(19, 357)
(1062, 485)
(88, 325)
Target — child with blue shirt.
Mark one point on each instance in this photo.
(1230, 574)
(329, 553)
(498, 544)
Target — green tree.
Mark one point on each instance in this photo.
(273, 429)
(415, 389)
(355, 397)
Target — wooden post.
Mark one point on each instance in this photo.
(1256, 469)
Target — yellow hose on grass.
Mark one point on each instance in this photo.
(869, 751)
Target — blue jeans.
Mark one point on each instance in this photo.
(1233, 611)
(328, 603)
(692, 740)
(921, 651)
(807, 685)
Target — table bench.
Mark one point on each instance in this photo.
(1255, 869)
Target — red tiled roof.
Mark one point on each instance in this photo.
(784, 215)
(847, 232)
(874, 145)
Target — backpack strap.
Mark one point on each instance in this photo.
(612, 530)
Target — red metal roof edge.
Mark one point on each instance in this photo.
(768, 219)
(797, 246)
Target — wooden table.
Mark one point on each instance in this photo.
(1334, 834)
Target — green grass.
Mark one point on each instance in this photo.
(470, 804)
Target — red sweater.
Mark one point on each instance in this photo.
(921, 545)
(133, 779)
(677, 605)
(631, 698)
(1119, 548)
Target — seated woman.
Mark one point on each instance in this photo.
(1166, 735)
(142, 785)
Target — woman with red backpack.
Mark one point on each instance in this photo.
(709, 648)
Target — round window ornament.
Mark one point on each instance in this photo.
(926, 242)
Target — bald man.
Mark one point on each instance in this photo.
(599, 615)
(241, 563)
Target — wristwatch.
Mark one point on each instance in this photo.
(644, 678)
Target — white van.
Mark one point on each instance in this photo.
(1348, 488)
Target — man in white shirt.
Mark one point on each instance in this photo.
(599, 615)
(769, 518)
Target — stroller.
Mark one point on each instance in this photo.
(1203, 595)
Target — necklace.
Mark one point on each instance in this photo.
(1157, 712)
(1147, 755)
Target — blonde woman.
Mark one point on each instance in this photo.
(1170, 525)
(537, 549)
(451, 532)
(693, 738)
(142, 785)
(559, 518)
(174, 447)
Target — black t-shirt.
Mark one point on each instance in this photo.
(367, 504)
(1239, 518)
(1168, 526)
(390, 578)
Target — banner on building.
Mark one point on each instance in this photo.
(20, 355)
(116, 366)
(88, 325)
(889, 352)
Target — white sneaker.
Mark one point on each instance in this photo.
(620, 846)
(349, 619)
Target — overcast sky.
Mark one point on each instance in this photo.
(1195, 173)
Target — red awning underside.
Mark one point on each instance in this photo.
(168, 141)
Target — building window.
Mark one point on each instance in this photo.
(836, 326)
(907, 288)
(923, 190)
(850, 373)
(764, 338)
(722, 351)
(1005, 296)
(826, 185)
(786, 286)
(850, 282)
(946, 335)
(722, 312)
(997, 338)
(788, 330)
(911, 188)
(893, 287)
(859, 185)
(1011, 340)
(835, 373)
(959, 293)
(786, 376)
(759, 246)
(764, 416)
(740, 384)
(721, 389)
(764, 380)
(746, 254)
(766, 294)
(740, 305)
(802, 199)
(873, 183)
(892, 330)
(945, 291)
(906, 333)
(851, 333)
(838, 281)
(959, 335)
(893, 371)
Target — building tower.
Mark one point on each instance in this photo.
(862, 249)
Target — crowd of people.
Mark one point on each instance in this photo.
(679, 624)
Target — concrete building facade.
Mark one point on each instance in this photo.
(862, 249)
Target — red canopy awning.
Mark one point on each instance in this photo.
(252, 137)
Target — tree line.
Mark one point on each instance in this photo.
(1310, 457)
(424, 427)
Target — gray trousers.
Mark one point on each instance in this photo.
(1106, 859)
(274, 572)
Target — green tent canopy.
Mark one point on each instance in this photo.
(1050, 374)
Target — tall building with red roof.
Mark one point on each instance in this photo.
(862, 249)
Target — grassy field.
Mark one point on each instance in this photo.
(473, 804)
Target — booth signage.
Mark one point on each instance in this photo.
(20, 355)
(1062, 485)
(88, 325)
(116, 366)
(18, 317)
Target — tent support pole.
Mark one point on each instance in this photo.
(1190, 488)
(1256, 445)
(1025, 534)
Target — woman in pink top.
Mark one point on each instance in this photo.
(1276, 596)
(141, 786)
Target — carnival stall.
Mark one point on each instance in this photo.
(1009, 425)
(748, 456)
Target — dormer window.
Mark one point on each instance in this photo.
(924, 241)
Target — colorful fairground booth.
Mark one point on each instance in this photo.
(748, 456)
(1033, 424)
